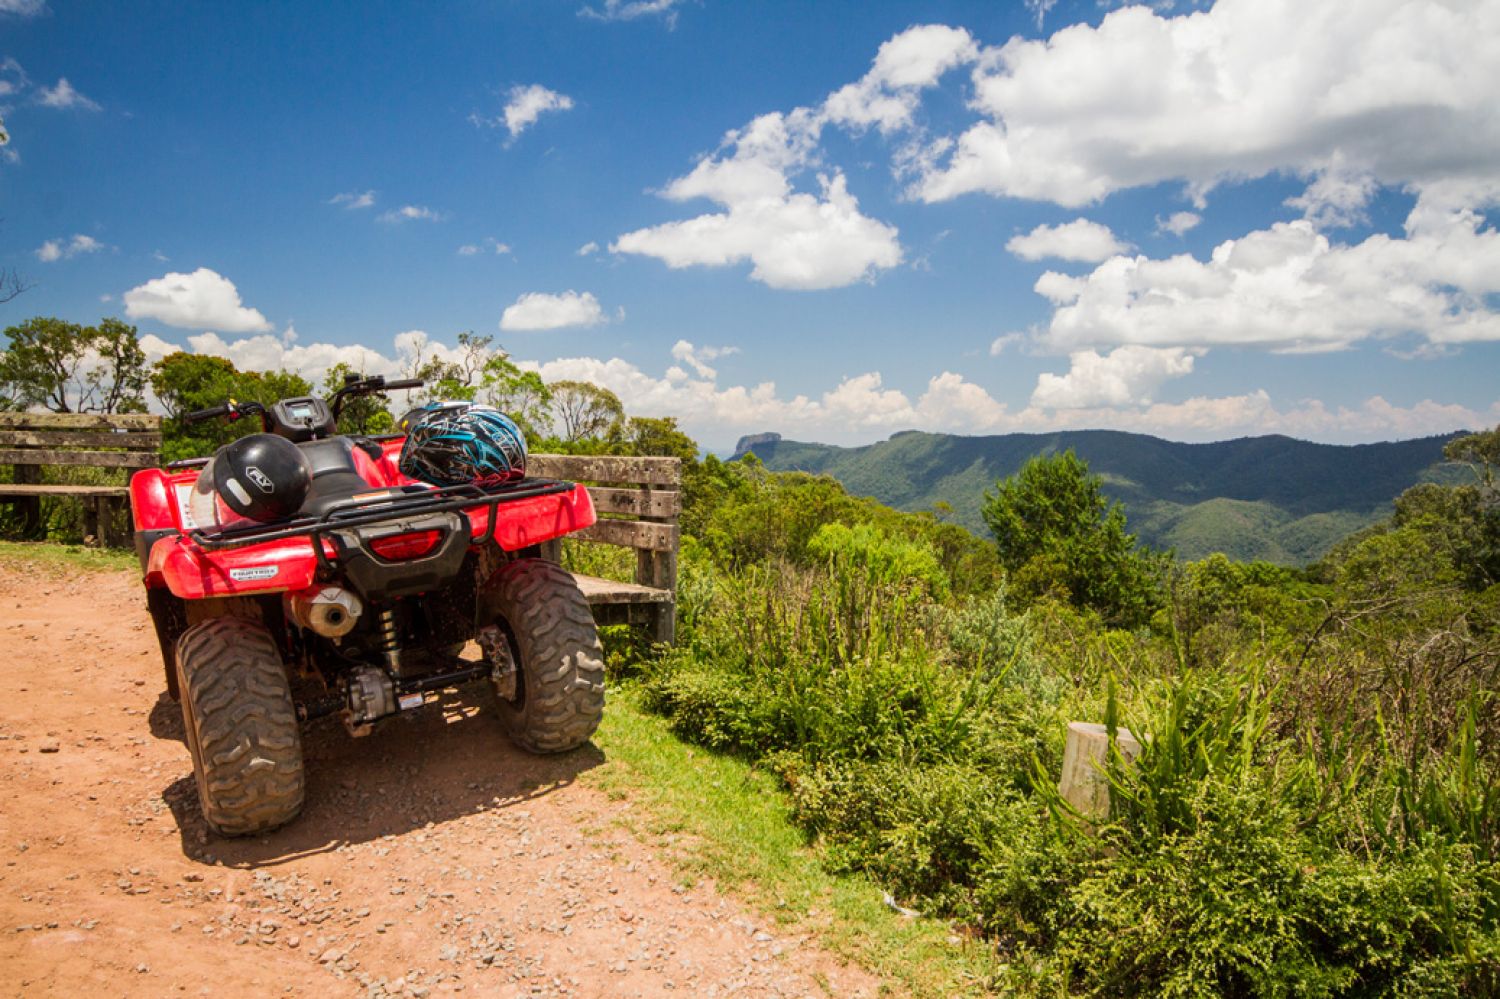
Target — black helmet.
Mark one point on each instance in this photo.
(460, 443)
(263, 477)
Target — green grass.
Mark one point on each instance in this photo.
(719, 817)
(57, 556)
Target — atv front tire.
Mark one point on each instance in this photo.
(241, 726)
(559, 682)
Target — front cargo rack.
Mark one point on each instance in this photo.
(357, 512)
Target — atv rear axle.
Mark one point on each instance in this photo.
(332, 704)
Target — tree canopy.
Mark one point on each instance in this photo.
(1057, 533)
(69, 368)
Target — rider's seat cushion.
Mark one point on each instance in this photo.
(335, 474)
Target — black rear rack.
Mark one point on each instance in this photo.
(354, 512)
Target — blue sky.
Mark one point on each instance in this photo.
(832, 220)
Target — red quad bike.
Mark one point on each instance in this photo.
(360, 603)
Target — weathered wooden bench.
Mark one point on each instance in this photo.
(30, 442)
(638, 503)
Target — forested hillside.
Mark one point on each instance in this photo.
(1273, 498)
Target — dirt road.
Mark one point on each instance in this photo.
(432, 858)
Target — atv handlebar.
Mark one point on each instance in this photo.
(233, 410)
(352, 387)
(199, 415)
(364, 386)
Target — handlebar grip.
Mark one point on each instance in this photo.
(199, 415)
(405, 383)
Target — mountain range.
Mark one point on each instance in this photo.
(1271, 497)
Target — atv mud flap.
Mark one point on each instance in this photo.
(378, 578)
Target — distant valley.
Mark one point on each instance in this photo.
(1270, 497)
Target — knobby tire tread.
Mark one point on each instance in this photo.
(242, 726)
(560, 659)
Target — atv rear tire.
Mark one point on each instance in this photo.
(241, 726)
(559, 683)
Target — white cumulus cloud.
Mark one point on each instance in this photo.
(65, 249)
(629, 10)
(1126, 376)
(489, 243)
(1077, 240)
(698, 358)
(523, 106)
(1179, 223)
(412, 213)
(64, 95)
(201, 300)
(798, 239)
(354, 200)
(1289, 288)
(1336, 198)
(887, 96)
(1399, 90)
(540, 311)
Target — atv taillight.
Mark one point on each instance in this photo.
(400, 547)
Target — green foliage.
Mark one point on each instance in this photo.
(186, 382)
(1314, 812)
(1056, 532)
(651, 437)
(746, 515)
(522, 395)
(452, 379)
(1213, 605)
(883, 560)
(69, 368)
(1195, 499)
(360, 414)
(582, 410)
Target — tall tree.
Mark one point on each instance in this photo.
(659, 437)
(584, 410)
(522, 395)
(69, 368)
(456, 378)
(1055, 531)
(185, 382)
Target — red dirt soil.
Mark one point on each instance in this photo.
(433, 858)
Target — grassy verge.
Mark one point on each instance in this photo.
(55, 556)
(718, 817)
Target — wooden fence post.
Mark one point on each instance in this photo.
(1083, 785)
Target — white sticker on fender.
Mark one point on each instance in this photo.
(184, 506)
(252, 573)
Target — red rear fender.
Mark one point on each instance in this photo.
(290, 564)
(193, 574)
(541, 518)
(151, 504)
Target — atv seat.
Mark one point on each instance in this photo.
(335, 475)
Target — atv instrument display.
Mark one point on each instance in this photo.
(290, 581)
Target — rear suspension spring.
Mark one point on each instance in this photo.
(388, 637)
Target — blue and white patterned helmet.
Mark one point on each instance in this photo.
(459, 443)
